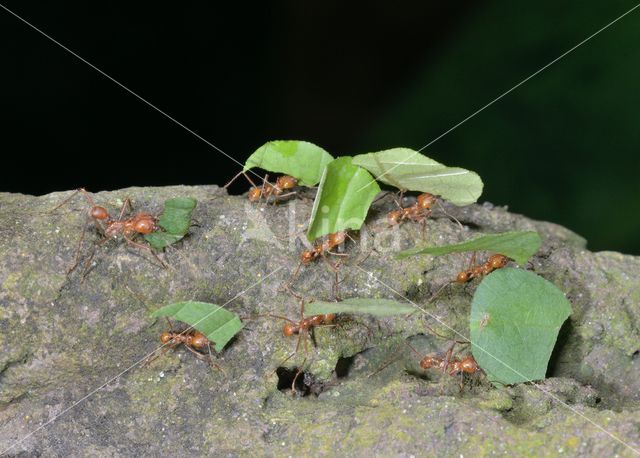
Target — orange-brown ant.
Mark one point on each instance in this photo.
(304, 329)
(496, 261)
(418, 212)
(449, 364)
(268, 190)
(192, 339)
(140, 223)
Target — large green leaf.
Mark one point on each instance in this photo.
(343, 200)
(175, 221)
(300, 159)
(515, 319)
(215, 322)
(517, 245)
(409, 170)
(360, 306)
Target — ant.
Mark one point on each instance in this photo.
(139, 223)
(303, 328)
(451, 365)
(267, 190)
(319, 250)
(192, 339)
(417, 212)
(496, 261)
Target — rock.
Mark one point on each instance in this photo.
(72, 382)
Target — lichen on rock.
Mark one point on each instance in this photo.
(61, 338)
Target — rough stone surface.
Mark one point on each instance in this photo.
(62, 338)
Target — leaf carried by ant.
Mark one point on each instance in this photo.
(360, 306)
(343, 200)
(214, 321)
(517, 245)
(302, 160)
(515, 319)
(175, 220)
(409, 170)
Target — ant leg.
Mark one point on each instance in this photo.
(73, 194)
(156, 354)
(87, 265)
(448, 356)
(146, 248)
(77, 254)
(206, 358)
(127, 202)
(169, 323)
(306, 355)
(450, 216)
(237, 175)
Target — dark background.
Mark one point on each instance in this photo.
(350, 77)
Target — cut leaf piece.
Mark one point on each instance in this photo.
(175, 220)
(409, 170)
(360, 306)
(343, 200)
(517, 245)
(302, 160)
(215, 322)
(515, 319)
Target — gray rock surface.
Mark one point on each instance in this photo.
(62, 338)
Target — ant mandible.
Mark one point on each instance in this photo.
(139, 223)
(267, 190)
(192, 339)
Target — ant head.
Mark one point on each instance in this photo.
(393, 217)
(337, 238)
(464, 276)
(307, 256)
(98, 212)
(286, 182)
(468, 365)
(329, 318)
(289, 329)
(255, 194)
(145, 225)
(166, 337)
(426, 200)
(199, 340)
(498, 261)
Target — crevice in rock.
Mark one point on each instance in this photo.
(343, 366)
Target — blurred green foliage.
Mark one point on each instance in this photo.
(563, 146)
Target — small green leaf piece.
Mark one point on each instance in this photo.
(409, 170)
(343, 200)
(515, 319)
(175, 220)
(302, 160)
(215, 322)
(517, 245)
(360, 306)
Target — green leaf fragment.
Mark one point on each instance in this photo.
(175, 221)
(517, 245)
(214, 321)
(360, 306)
(515, 319)
(302, 160)
(409, 170)
(343, 200)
